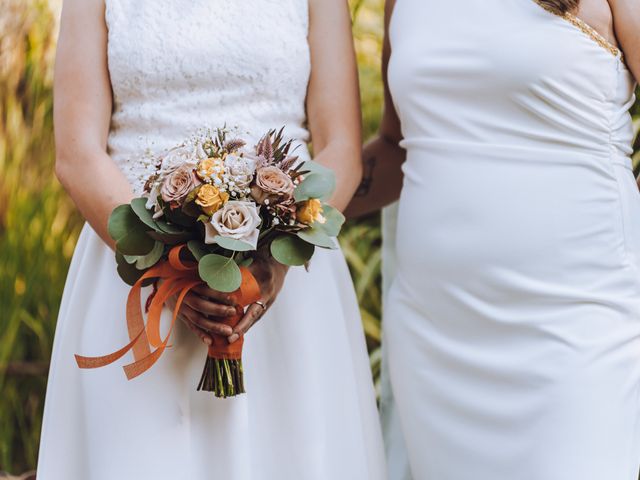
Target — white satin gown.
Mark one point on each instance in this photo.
(513, 325)
(310, 410)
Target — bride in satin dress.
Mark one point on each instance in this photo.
(512, 326)
(134, 76)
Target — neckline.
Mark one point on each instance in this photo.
(585, 28)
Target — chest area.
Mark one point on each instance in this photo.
(211, 44)
(495, 49)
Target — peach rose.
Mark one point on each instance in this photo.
(311, 212)
(178, 184)
(210, 199)
(209, 168)
(272, 184)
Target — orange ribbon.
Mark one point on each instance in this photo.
(178, 277)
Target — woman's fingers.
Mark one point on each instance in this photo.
(203, 305)
(205, 337)
(251, 316)
(213, 295)
(206, 324)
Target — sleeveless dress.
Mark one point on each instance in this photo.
(513, 324)
(310, 410)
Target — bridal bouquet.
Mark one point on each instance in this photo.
(208, 209)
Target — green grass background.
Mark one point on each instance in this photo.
(39, 225)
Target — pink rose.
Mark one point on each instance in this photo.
(272, 184)
(178, 184)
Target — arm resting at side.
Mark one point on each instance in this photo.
(382, 157)
(82, 114)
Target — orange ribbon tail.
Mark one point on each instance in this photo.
(178, 277)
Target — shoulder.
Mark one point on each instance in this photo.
(598, 14)
(83, 6)
(79, 13)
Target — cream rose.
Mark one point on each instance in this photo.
(178, 184)
(272, 184)
(237, 220)
(182, 155)
(240, 169)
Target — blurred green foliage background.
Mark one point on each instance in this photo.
(39, 225)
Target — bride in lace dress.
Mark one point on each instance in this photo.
(137, 76)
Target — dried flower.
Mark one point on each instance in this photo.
(234, 145)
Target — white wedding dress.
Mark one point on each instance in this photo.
(310, 411)
(513, 324)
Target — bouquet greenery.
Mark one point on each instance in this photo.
(210, 206)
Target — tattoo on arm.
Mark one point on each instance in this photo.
(367, 177)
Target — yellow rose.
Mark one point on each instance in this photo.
(310, 212)
(210, 167)
(211, 199)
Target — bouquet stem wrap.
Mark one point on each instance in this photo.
(223, 367)
(223, 372)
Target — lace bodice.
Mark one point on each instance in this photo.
(179, 65)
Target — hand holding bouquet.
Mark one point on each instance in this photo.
(209, 208)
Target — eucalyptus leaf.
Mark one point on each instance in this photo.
(139, 207)
(198, 249)
(170, 239)
(291, 250)
(123, 221)
(247, 262)
(168, 228)
(221, 273)
(137, 242)
(317, 237)
(334, 220)
(315, 185)
(128, 273)
(151, 258)
(131, 259)
(233, 244)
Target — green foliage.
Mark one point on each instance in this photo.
(233, 244)
(333, 221)
(316, 236)
(221, 273)
(319, 183)
(129, 233)
(291, 250)
(38, 226)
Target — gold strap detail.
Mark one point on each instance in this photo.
(586, 29)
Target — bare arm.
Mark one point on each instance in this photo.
(333, 105)
(82, 113)
(333, 111)
(382, 157)
(626, 21)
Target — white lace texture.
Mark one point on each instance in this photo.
(178, 66)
